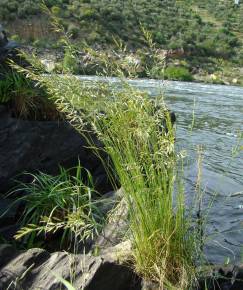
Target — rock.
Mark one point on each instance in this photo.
(238, 278)
(222, 278)
(8, 231)
(149, 285)
(18, 268)
(121, 252)
(7, 216)
(117, 226)
(3, 37)
(37, 269)
(44, 145)
(7, 50)
(7, 252)
(3, 111)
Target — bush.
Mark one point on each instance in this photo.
(69, 62)
(88, 13)
(56, 10)
(178, 73)
(73, 31)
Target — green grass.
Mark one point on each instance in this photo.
(166, 242)
(24, 99)
(61, 203)
(11, 85)
(145, 161)
(165, 245)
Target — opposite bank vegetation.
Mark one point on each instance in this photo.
(201, 40)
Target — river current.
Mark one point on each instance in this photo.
(210, 116)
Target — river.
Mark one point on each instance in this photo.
(210, 116)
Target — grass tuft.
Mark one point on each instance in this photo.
(58, 203)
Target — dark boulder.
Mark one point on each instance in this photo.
(38, 269)
(44, 145)
(8, 50)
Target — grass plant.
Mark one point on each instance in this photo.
(58, 203)
(25, 100)
(139, 137)
(145, 161)
(165, 244)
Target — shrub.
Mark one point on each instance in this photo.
(178, 73)
(73, 31)
(56, 10)
(69, 62)
(88, 13)
(159, 38)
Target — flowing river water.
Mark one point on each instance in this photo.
(210, 116)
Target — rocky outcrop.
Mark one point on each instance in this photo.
(7, 51)
(117, 226)
(37, 269)
(44, 145)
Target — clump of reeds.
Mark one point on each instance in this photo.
(143, 154)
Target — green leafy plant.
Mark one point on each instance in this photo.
(58, 203)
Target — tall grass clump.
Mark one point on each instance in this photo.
(138, 135)
(145, 161)
(133, 131)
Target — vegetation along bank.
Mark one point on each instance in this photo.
(198, 40)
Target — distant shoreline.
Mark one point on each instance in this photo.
(53, 59)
